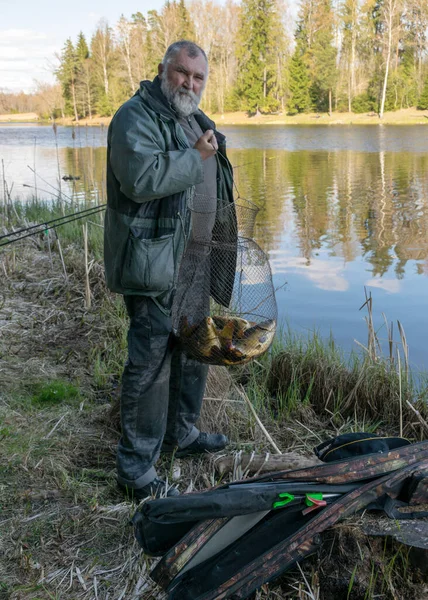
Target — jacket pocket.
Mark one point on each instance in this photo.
(149, 264)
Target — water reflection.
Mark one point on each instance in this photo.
(352, 204)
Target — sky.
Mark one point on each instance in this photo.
(32, 32)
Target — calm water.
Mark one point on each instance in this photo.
(341, 208)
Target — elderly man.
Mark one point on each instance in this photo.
(161, 151)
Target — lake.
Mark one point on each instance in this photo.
(341, 209)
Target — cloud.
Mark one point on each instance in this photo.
(26, 55)
(326, 275)
(389, 285)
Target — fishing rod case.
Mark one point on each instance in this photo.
(228, 541)
(224, 310)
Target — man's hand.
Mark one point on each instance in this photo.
(207, 144)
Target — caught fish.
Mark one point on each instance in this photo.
(266, 326)
(257, 339)
(240, 325)
(233, 356)
(226, 334)
(227, 341)
(185, 329)
(205, 338)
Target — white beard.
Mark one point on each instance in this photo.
(185, 102)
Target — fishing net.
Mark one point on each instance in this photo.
(224, 310)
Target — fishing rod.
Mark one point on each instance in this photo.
(80, 212)
(60, 192)
(52, 224)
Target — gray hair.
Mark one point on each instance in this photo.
(193, 51)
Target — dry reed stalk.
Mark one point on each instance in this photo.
(258, 421)
(34, 163)
(390, 330)
(4, 185)
(49, 246)
(55, 130)
(400, 395)
(371, 346)
(418, 415)
(87, 268)
(405, 349)
(61, 256)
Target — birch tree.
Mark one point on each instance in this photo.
(389, 16)
(350, 19)
(124, 34)
(103, 58)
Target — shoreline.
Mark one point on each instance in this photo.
(408, 116)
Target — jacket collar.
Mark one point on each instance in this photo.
(151, 92)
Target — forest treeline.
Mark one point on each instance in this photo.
(347, 55)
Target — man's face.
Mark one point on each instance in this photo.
(183, 81)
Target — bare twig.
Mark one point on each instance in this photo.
(259, 423)
(418, 414)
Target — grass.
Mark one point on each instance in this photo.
(54, 392)
(64, 525)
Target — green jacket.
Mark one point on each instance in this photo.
(151, 174)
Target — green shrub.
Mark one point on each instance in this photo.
(423, 100)
(363, 103)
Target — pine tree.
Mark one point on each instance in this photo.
(83, 77)
(315, 37)
(325, 71)
(255, 54)
(299, 84)
(67, 75)
(407, 76)
(186, 27)
(141, 50)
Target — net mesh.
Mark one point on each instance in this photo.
(224, 310)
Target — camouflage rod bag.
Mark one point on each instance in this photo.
(227, 542)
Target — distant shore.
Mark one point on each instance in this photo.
(407, 116)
